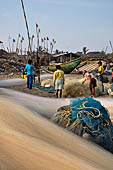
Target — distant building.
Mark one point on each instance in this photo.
(63, 57)
(79, 53)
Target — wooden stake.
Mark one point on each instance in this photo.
(111, 46)
(17, 44)
(38, 45)
(9, 44)
(26, 25)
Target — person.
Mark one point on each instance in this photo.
(83, 73)
(105, 66)
(37, 72)
(92, 83)
(100, 72)
(107, 62)
(29, 69)
(23, 73)
(108, 65)
(112, 75)
(58, 79)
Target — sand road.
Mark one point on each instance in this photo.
(29, 141)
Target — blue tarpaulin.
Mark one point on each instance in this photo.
(48, 89)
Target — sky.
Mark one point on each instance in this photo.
(74, 24)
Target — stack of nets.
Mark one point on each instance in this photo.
(74, 89)
(87, 116)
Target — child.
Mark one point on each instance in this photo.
(29, 69)
(58, 79)
(92, 83)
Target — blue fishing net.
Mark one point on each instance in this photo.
(88, 108)
(48, 89)
(111, 87)
(87, 116)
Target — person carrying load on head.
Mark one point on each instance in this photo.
(92, 83)
(100, 72)
(58, 79)
(29, 69)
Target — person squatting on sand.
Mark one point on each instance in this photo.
(92, 83)
(58, 79)
(100, 72)
(29, 69)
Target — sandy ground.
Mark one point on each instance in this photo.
(29, 141)
(20, 84)
(34, 91)
(9, 76)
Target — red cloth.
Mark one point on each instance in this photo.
(107, 61)
(112, 74)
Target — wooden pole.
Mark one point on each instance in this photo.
(47, 44)
(19, 49)
(44, 43)
(34, 48)
(111, 46)
(9, 44)
(38, 45)
(70, 56)
(12, 47)
(21, 46)
(106, 49)
(26, 25)
(51, 47)
(17, 43)
(37, 37)
(32, 42)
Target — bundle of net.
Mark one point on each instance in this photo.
(47, 82)
(110, 90)
(87, 118)
(75, 88)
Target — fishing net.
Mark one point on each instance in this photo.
(110, 90)
(47, 82)
(75, 88)
(47, 89)
(87, 116)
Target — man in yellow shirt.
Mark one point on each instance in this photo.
(100, 69)
(58, 79)
(100, 75)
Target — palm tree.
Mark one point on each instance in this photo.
(85, 50)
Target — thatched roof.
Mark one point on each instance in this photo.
(96, 55)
